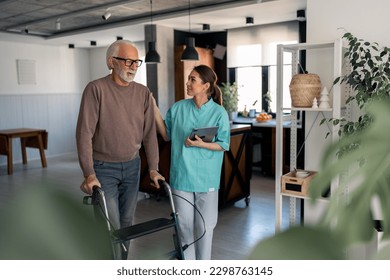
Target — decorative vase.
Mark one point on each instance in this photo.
(315, 103)
(304, 88)
(324, 100)
(232, 116)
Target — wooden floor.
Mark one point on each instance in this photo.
(238, 230)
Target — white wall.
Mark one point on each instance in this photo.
(328, 20)
(52, 102)
(97, 63)
(58, 69)
(364, 19)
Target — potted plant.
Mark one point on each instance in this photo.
(363, 160)
(230, 98)
(369, 79)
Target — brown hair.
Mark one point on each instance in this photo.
(208, 75)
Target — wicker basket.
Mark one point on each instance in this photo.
(303, 89)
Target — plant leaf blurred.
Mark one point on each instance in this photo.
(44, 222)
(367, 169)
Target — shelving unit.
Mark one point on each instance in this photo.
(335, 111)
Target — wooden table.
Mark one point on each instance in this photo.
(29, 137)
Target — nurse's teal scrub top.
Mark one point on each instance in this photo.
(195, 169)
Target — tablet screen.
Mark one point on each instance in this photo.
(207, 134)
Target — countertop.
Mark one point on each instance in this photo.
(255, 123)
(238, 127)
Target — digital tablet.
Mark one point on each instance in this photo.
(205, 133)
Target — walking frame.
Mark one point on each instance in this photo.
(119, 236)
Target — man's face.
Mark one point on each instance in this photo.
(125, 64)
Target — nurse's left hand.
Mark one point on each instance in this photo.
(198, 142)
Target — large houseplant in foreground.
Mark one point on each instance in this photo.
(363, 159)
(363, 152)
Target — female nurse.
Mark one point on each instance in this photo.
(196, 165)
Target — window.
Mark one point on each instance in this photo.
(257, 87)
(286, 83)
(249, 88)
(251, 58)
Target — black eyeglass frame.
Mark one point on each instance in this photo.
(129, 62)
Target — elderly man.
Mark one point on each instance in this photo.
(116, 116)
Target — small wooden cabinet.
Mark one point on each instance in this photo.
(236, 167)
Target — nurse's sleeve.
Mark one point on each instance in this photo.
(223, 134)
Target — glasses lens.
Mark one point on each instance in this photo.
(138, 62)
(129, 62)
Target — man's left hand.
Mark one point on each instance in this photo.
(154, 177)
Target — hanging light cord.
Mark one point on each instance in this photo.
(151, 20)
(151, 11)
(189, 16)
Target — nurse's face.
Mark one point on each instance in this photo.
(195, 85)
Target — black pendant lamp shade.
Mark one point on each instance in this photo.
(190, 52)
(152, 56)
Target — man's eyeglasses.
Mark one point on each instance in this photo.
(129, 62)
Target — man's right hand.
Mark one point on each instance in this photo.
(88, 184)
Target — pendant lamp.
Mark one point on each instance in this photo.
(152, 56)
(190, 52)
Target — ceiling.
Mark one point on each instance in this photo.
(63, 22)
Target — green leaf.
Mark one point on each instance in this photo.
(370, 63)
(44, 222)
(347, 35)
(371, 178)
